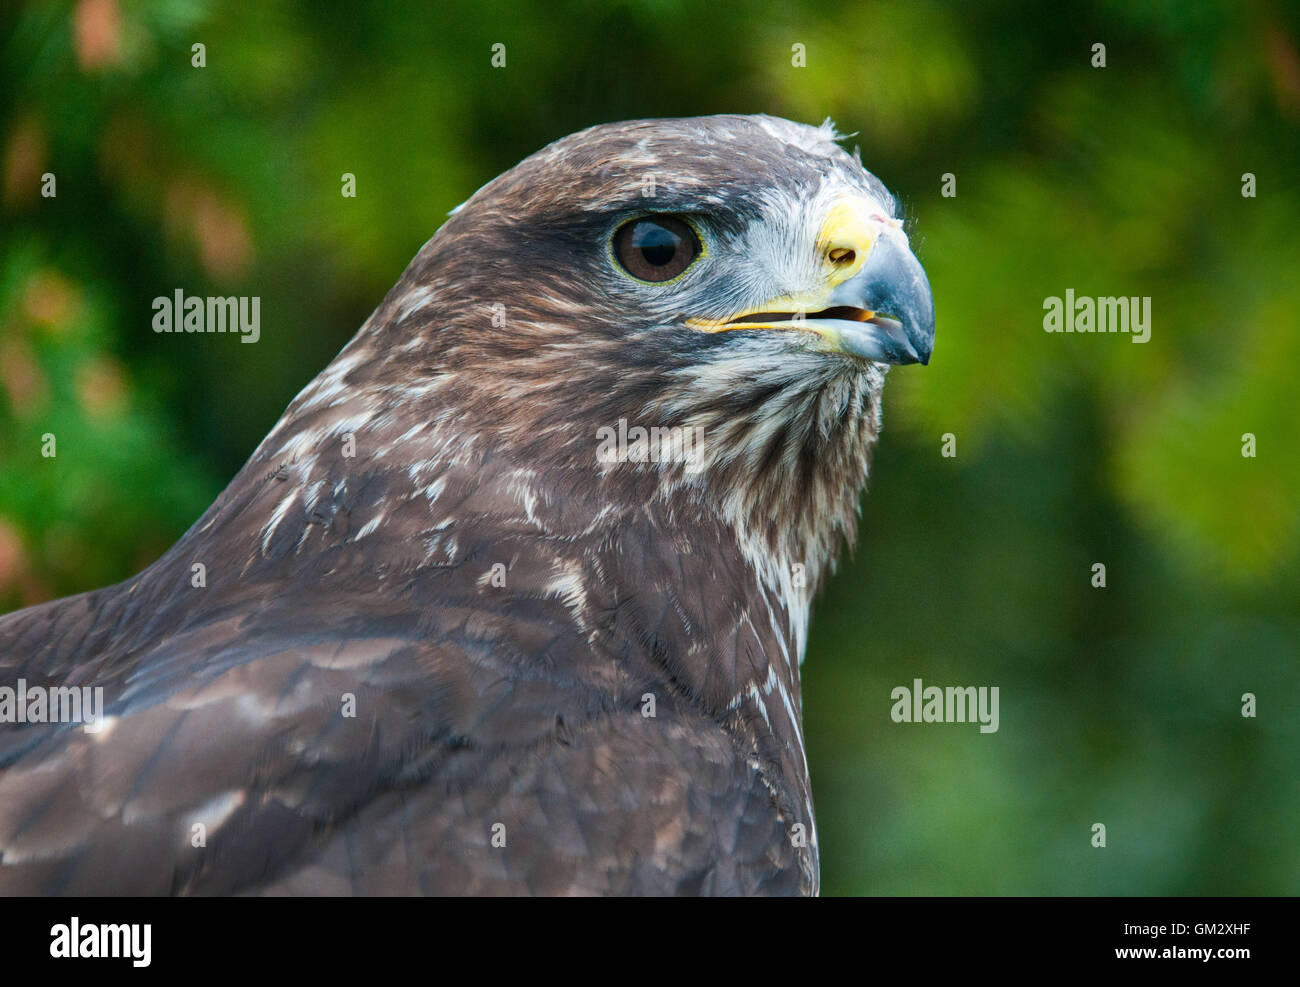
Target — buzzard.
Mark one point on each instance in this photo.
(514, 596)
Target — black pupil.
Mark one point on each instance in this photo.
(658, 244)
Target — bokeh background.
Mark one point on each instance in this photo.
(1119, 705)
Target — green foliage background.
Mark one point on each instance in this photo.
(1118, 705)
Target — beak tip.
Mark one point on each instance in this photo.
(892, 281)
(926, 349)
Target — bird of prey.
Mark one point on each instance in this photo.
(514, 596)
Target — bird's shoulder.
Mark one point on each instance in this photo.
(371, 687)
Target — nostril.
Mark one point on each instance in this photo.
(842, 255)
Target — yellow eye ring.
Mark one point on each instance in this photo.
(656, 249)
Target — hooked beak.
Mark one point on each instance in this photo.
(877, 303)
(893, 289)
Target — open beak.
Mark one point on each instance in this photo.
(893, 293)
(879, 308)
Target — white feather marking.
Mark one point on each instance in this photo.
(277, 516)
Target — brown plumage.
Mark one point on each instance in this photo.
(429, 534)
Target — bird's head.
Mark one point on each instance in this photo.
(741, 277)
(747, 225)
(751, 226)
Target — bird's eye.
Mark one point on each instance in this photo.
(656, 248)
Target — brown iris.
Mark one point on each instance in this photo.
(656, 248)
